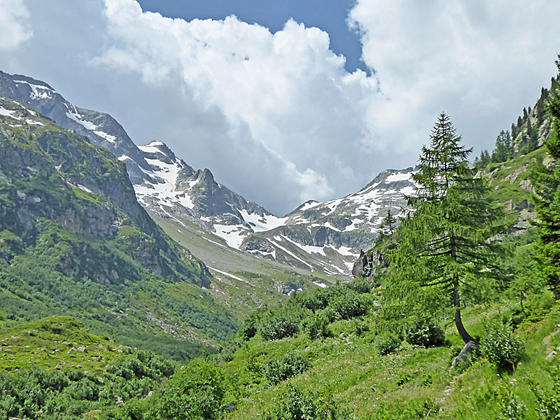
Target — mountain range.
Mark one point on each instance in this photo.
(320, 237)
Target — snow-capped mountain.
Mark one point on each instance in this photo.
(101, 129)
(329, 236)
(316, 236)
(324, 237)
(176, 190)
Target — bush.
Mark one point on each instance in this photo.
(501, 347)
(425, 332)
(387, 343)
(196, 391)
(349, 305)
(316, 326)
(360, 285)
(278, 370)
(278, 328)
(295, 405)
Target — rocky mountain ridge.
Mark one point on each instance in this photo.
(316, 236)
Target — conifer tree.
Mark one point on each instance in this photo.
(504, 149)
(532, 137)
(546, 183)
(389, 223)
(444, 244)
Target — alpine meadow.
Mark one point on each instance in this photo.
(134, 286)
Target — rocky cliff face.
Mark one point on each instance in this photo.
(54, 178)
(101, 129)
(329, 236)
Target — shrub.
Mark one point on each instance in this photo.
(196, 391)
(360, 285)
(425, 332)
(294, 405)
(501, 347)
(278, 328)
(349, 305)
(387, 343)
(316, 326)
(359, 327)
(278, 370)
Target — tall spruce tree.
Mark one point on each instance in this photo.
(446, 242)
(546, 183)
(504, 148)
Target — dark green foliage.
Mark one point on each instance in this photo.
(389, 223)
(546, 183)
(279, 327)
(387, 343)
(360, 285)
(483, 160)
(348, 305)
(501, 347)
(425, 332)
(251, 324)
(445, 243)
(504, 147)
(48, 394)
(194, 392)
(294, 405)
(316, 325)
(278, 370)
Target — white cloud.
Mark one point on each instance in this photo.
(14, 21)
(288, 88)
(480, 61)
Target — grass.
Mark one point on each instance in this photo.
(412, 382)
(57, 342)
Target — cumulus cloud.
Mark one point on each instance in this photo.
(480, 61)
(289, 89)
(14, 21)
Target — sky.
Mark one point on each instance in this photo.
(286, 101)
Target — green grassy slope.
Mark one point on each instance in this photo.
(511, 186)
(74, 241)
(410, 383)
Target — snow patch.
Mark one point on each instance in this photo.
(262, 223)
(232, 234)
(229, 275)
(103, 134)
(37, 91)
(76, 116)
(399, 177)
(8, 113)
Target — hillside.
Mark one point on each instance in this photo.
(74, 240)
(349, 368)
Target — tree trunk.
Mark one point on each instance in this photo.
(458, 321)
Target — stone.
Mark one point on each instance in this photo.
(465, 352)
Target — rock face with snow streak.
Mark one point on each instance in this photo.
(329, 236)
(324, 237)
(101, 129)
(175, 190)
